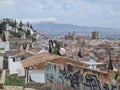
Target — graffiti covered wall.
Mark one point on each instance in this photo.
(70, 77)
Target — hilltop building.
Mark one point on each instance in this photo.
(95, 35)
(70, 36)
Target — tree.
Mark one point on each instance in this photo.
(2, 27)
(20, 29)
(50, 48)
(57, 44)
(12, 24)
(21, 24)
(18, 34)
(24, 46)
(110, 66)
(4, 39)
(79, 54)
(28, 24)
(15, 23)
(33, 39)
(31, 26)
(56, 51)
(28, 32)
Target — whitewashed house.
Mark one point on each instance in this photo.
(92, 64)
(13, 61)
(34, 67)
(4, 46)
(15, 67)
(6, 57)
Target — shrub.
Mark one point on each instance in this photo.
(13, 81)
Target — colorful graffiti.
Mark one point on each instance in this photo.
(71, 77)
(53, 77)
(91, 82)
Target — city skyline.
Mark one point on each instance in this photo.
(104, 13)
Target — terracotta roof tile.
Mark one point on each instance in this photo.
(24, 53)
(39, 58)
(35, 50)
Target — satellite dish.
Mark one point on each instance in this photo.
(62, 51)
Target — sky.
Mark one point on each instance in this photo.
(104, 13)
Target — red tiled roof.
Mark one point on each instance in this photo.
(39, 58)
(23, 53)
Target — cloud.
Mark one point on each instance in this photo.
(7, 3)
(78, 12)
(37, 20)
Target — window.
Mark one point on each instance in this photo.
(13, 59)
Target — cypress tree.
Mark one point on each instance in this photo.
(28, 24)
(110, 66)
(31, 26)
(79, 54)
(21, 23)
(50, 49)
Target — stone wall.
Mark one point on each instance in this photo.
(2, 79)
(36, 86)
(70, 77)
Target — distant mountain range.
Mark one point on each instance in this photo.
(55, 29)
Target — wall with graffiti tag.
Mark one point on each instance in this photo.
(71, 77)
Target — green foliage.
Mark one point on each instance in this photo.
(16, 43)
(2, 27)
(12, 24)
(28, 24)
(58, 44)
(13, 81)
(14, 34)
(0, 71)
(80, 53)
(28, 33)
(34, 31)
(4, 37)
(2, 48)
(110, 66)
(31, 26)
(5, 58)
(24, 46)
(21, 24)
(56, 51)
(31, 37)
(18, 34)
(20, 29)
(50, 49)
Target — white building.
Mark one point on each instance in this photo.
(34, 66)
(4, 46)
